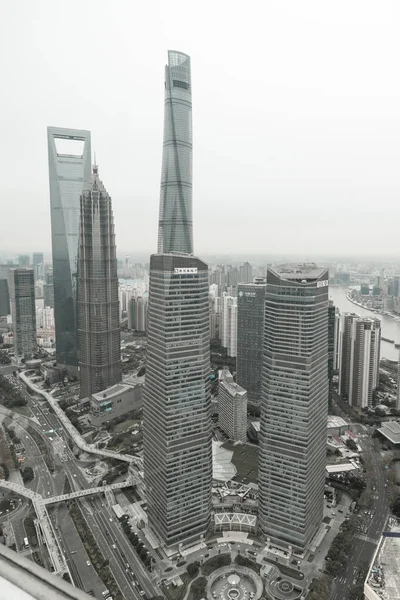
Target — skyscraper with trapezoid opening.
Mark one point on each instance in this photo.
(177, 405)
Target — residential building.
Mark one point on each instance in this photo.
(232, 407)
(294, 405)
(4, 298)
(137, 313)
(48, 289)
(22, 292)
(250, 338)
(69, 172)
(360, 357)
(24, 260)
(98, 328)
(175, 226)
(228, 324)
(177, 406)
(246, 273)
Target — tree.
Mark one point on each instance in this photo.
(198, 588)
(27, 474)
(350, 443)
(193, 569)
(5, 470)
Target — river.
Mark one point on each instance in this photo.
(390, 328)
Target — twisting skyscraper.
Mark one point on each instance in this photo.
(294, 405)
(177, 407)
(97, 292)
(69, 172)
(175, 227)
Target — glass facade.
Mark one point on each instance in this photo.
(23, 311)
(177, 405)
(97, 293)
(250, 338)
(175, 228)
(68, 175)
(294, 406)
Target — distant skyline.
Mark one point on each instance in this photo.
(296, 112)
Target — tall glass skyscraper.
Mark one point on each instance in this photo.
(294, 405)
(177, 405)
(175, 227)
(69, 173)
(23, 311)
(97, 292)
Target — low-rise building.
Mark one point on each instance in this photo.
(114, 401)
(336, 425)
(390, 430)
(383, 580)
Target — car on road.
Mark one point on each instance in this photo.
(88, 563)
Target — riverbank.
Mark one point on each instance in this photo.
(373, 310)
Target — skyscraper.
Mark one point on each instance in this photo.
(97, 292)
(232, 407)
(23, 311)
(69, 172)
(37, 258)
(250, 338)
(23, 260)
(246, 273)
(359, 368)
(4, 298)
(175, 220)
(177, 405)
(48, 289)
(228, 324)
(294, 405)
(331, 348)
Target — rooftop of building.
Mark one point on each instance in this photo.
(306, 271)
(342, 467)
(391, 431)
(383, 577)
(111, 391)
(336, 422)
(22, 579)
(226, 379)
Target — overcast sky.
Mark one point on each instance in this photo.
(296, 118)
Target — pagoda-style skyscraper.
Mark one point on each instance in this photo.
(98, 329)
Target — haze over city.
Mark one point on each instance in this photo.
(295, 107)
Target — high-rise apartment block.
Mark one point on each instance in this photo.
(228, 324)
(69, 172)
(4, 298)
(175, 227)
(37, 258)
(97, 292)
(23, 311)
(250, 338)
(294, 405)
(137, 314)
(232, 407)
(360, 356)
(177, 403)
(23, 260)
(246, 273)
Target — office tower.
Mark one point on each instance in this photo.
(48, 289)
(331, 348)
(232, 407)
(22, 288)
(246, 273)
(97, 292)
(294, 405)
(23, 260)
(175, 220)
(359, 369)
(177, 405)
(336, 343)
(232, 277)
(215, 304)
(228, 324)
(4, 298)
(250, 338)
(37, 258)
(69, 172)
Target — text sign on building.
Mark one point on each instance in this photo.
(185, 271)
(322, 283)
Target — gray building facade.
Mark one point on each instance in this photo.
(4, 298)
(250, 339)
(98, 329)
(177, 404)
(23, 311)
(175, 227)
(294, 405)
(69, 173)
(232, 407)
